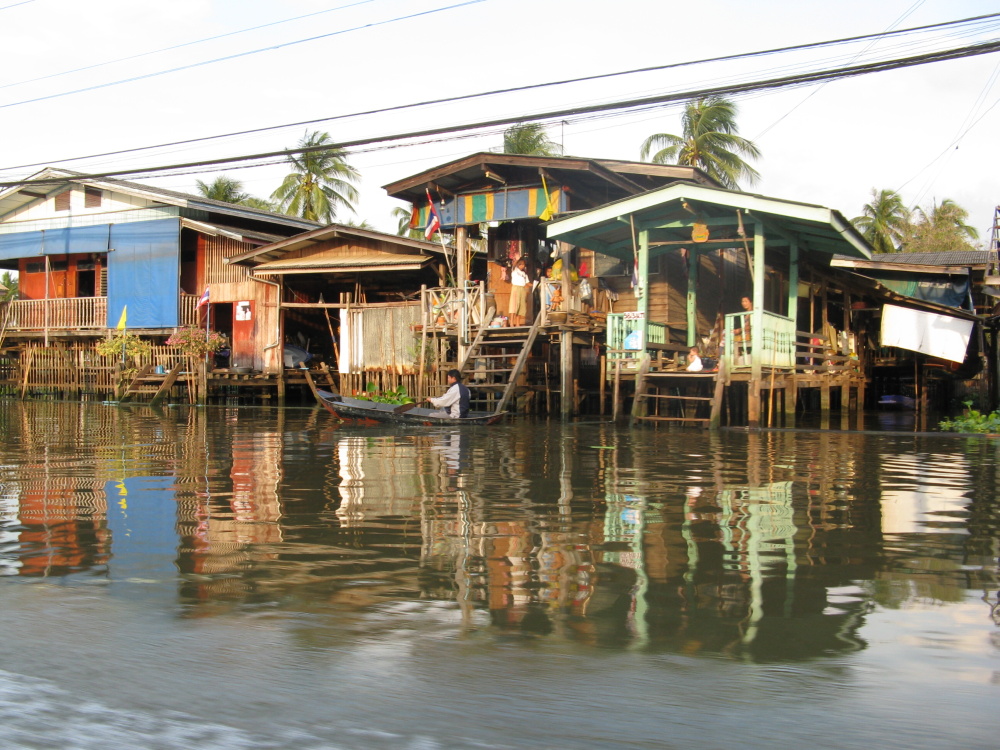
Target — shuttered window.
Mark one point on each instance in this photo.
(92, 197)
(62, 201)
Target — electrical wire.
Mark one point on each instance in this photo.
(179, 46)
(528, 87)
(14, 5)
(630, 104)
(238, 55)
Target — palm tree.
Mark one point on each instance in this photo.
(230, 190)
(949, 216)
(223, 188)
(884, 221)
(529, 139)
(710, 141)
(402, 217)
(321, 182)
(942, 229)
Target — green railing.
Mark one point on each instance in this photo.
(620, 327)
(774, 347)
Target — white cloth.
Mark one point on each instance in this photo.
(694, 364)
(518, 278)
(450, 402)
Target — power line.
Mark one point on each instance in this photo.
(14, 5)
(178, 46)
(528, 87)
(242, 54)
(630, 104)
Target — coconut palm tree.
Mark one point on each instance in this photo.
(320, 182)
(710, 141)
(223, 188)
(884, 221)
(529, 139)
(402, 217)
(230, 190)
(941, 229)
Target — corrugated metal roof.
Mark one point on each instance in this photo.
(342, 263)
(955, 258)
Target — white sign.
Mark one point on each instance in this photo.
(633, 315)
(937, 335)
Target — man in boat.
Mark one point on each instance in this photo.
(455, 401)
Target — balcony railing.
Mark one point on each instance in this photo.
(773, 347)
(78, 313)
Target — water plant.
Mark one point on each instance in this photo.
(973, 420)
(397, 395)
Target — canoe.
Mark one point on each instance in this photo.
(359, 410)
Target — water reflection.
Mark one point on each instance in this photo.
(761, 546)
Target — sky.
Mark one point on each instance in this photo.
(929, 132)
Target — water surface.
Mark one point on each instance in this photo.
(263, 578)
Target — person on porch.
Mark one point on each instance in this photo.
(519, 281)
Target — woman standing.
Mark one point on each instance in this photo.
(518, 308)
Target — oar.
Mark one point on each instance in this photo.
(403, 408)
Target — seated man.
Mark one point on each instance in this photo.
(455, 401)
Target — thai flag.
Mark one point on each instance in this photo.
(434, 222)
(203, 300)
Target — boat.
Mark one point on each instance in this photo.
(360, 410)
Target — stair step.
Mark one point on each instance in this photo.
(677, 398)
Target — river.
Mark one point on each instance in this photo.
(233, 577)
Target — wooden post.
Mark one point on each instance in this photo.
(423, 341)
(202, 382)
(791, 398)
(603, 380)
(566, 374)
(757, 315)
(753, 401)
(616, 392)
(692, 298)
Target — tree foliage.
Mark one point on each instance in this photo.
(10, 288)
(529, 139)
(940, 229)
(321, 182)
(710, 141)
(884, 222)
(230, 190)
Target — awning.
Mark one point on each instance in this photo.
(322, 263)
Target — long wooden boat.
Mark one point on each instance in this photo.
(359, 410)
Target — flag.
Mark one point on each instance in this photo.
(549, 211)
(434, 221)
(121, 320)
(203, 300)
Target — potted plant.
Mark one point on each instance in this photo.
(196, 342)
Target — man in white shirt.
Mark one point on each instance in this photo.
(455, 401)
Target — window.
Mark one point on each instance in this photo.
(62, 200)
(92, 197)
(34, 267)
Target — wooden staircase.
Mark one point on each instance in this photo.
(678, 396)
(494, 363)
(147, 380)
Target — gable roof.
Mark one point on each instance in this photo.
(16, 197)
(601, 179)
(671, 211)
(274, 252)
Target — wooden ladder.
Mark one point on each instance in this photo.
(683, 397)
(496, 347)
(147, 380)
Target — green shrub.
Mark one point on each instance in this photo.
(973, 420)
(397, 395)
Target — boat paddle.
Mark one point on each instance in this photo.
(403, 408)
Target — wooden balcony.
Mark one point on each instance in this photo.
(78, 314)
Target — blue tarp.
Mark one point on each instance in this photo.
(93, 239)
(20, 245)
(89, 239)
(953, 293)
(144, 273)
